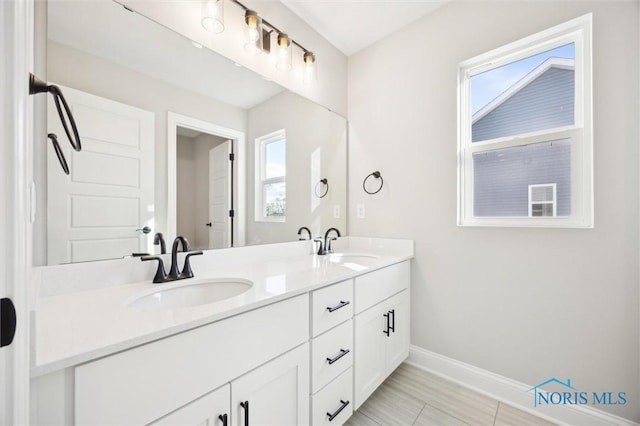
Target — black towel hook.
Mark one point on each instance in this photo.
(38, 86)
(59, 153)
(325, 182)
(376, 175)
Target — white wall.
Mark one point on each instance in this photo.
(93, 75)
(528, 304)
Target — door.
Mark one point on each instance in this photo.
(97, 211)
(370, 347)
(16, 128)
(276, 393)
(211, 410)
(220, 195)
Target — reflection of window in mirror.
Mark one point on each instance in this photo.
(271, 171)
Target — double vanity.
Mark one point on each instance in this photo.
(273, 334)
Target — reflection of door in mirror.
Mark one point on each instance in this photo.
(204, 188)
(100, 209)
(221, 196)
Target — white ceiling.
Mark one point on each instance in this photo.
(352, 25)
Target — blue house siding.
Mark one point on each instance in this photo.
(502, 178)
(545, 103)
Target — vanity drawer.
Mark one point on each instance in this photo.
(376, 286)
(337, 345)
(329, 401)
(330, 306)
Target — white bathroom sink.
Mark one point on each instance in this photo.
(351, 257)
(188, 293)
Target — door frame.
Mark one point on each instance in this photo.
(16, 169)
(238, 139)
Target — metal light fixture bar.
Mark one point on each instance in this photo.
(273, 27)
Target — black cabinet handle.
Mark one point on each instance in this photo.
(342, 353)
(393, 320)
(224, 419)
(245, 405)
(335, 413)
(342, 304)
(388, 325)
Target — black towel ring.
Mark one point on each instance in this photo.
(59, 153)
(326, 190)
(38, 86)
(376, 175)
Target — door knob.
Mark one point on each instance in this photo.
(208, 224)
(144, 230)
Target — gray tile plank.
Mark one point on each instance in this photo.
(431, 416)
(455, 400)
(389, 407)
(359, 419)
(511, 416)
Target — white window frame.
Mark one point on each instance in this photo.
(260, 172)
(553, 201)
(577, 31)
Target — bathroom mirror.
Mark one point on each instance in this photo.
(160, 117)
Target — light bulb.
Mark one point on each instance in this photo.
(252, 32)
(213, 16)
(283, 52)
(310, 73)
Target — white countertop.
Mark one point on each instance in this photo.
(72, 327)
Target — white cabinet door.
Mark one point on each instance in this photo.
(397, 344)
(381, 343)
(369, 361)
(213, 409)
(277, 393)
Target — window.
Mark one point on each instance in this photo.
(271, 171)
(542, 200)
(524, 136)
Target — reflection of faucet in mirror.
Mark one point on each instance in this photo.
(304, 228)
(174, 274)
(159, 239)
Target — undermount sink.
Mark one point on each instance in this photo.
(188, 293)
(350, 257)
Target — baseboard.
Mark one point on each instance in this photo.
(508, 391)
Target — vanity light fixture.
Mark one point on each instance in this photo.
(258, 39)
(283, 52)
(252, 32)
(310, 72)
(213, 16)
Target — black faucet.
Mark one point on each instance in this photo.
(174, 274)
(325, 247)
(304, 228)
(159, 239)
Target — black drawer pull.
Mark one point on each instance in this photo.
(393, 320)
(342, 304)
(342, 353)
(224, 419)
(245, 405)
(388, 325)
(335, 413)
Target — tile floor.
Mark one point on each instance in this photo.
(411, 396)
